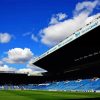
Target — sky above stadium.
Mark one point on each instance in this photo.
(29, 28)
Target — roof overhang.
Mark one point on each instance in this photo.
(80, 48)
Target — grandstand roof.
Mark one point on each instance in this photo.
(79, 51)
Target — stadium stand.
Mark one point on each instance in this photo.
(72, 65)
(86, 85)
(75, 85)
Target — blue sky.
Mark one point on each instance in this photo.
(21, 16)
(32, 24)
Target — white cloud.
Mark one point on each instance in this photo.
(56, 18)
(30, 71)
(5, 37)
(53, 21)
(5, 68)
(61, 16)
(86, 7)
(18, 55)
(34, 38)
(21, 56)
(25, 70)
(55, 33)
(1, 63)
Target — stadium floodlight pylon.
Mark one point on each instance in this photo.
(88, 27)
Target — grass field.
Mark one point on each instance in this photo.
(45, 95)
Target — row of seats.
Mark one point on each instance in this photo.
(75, 85)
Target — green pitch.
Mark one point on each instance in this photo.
(45, 95)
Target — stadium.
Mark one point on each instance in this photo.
(72, 66)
